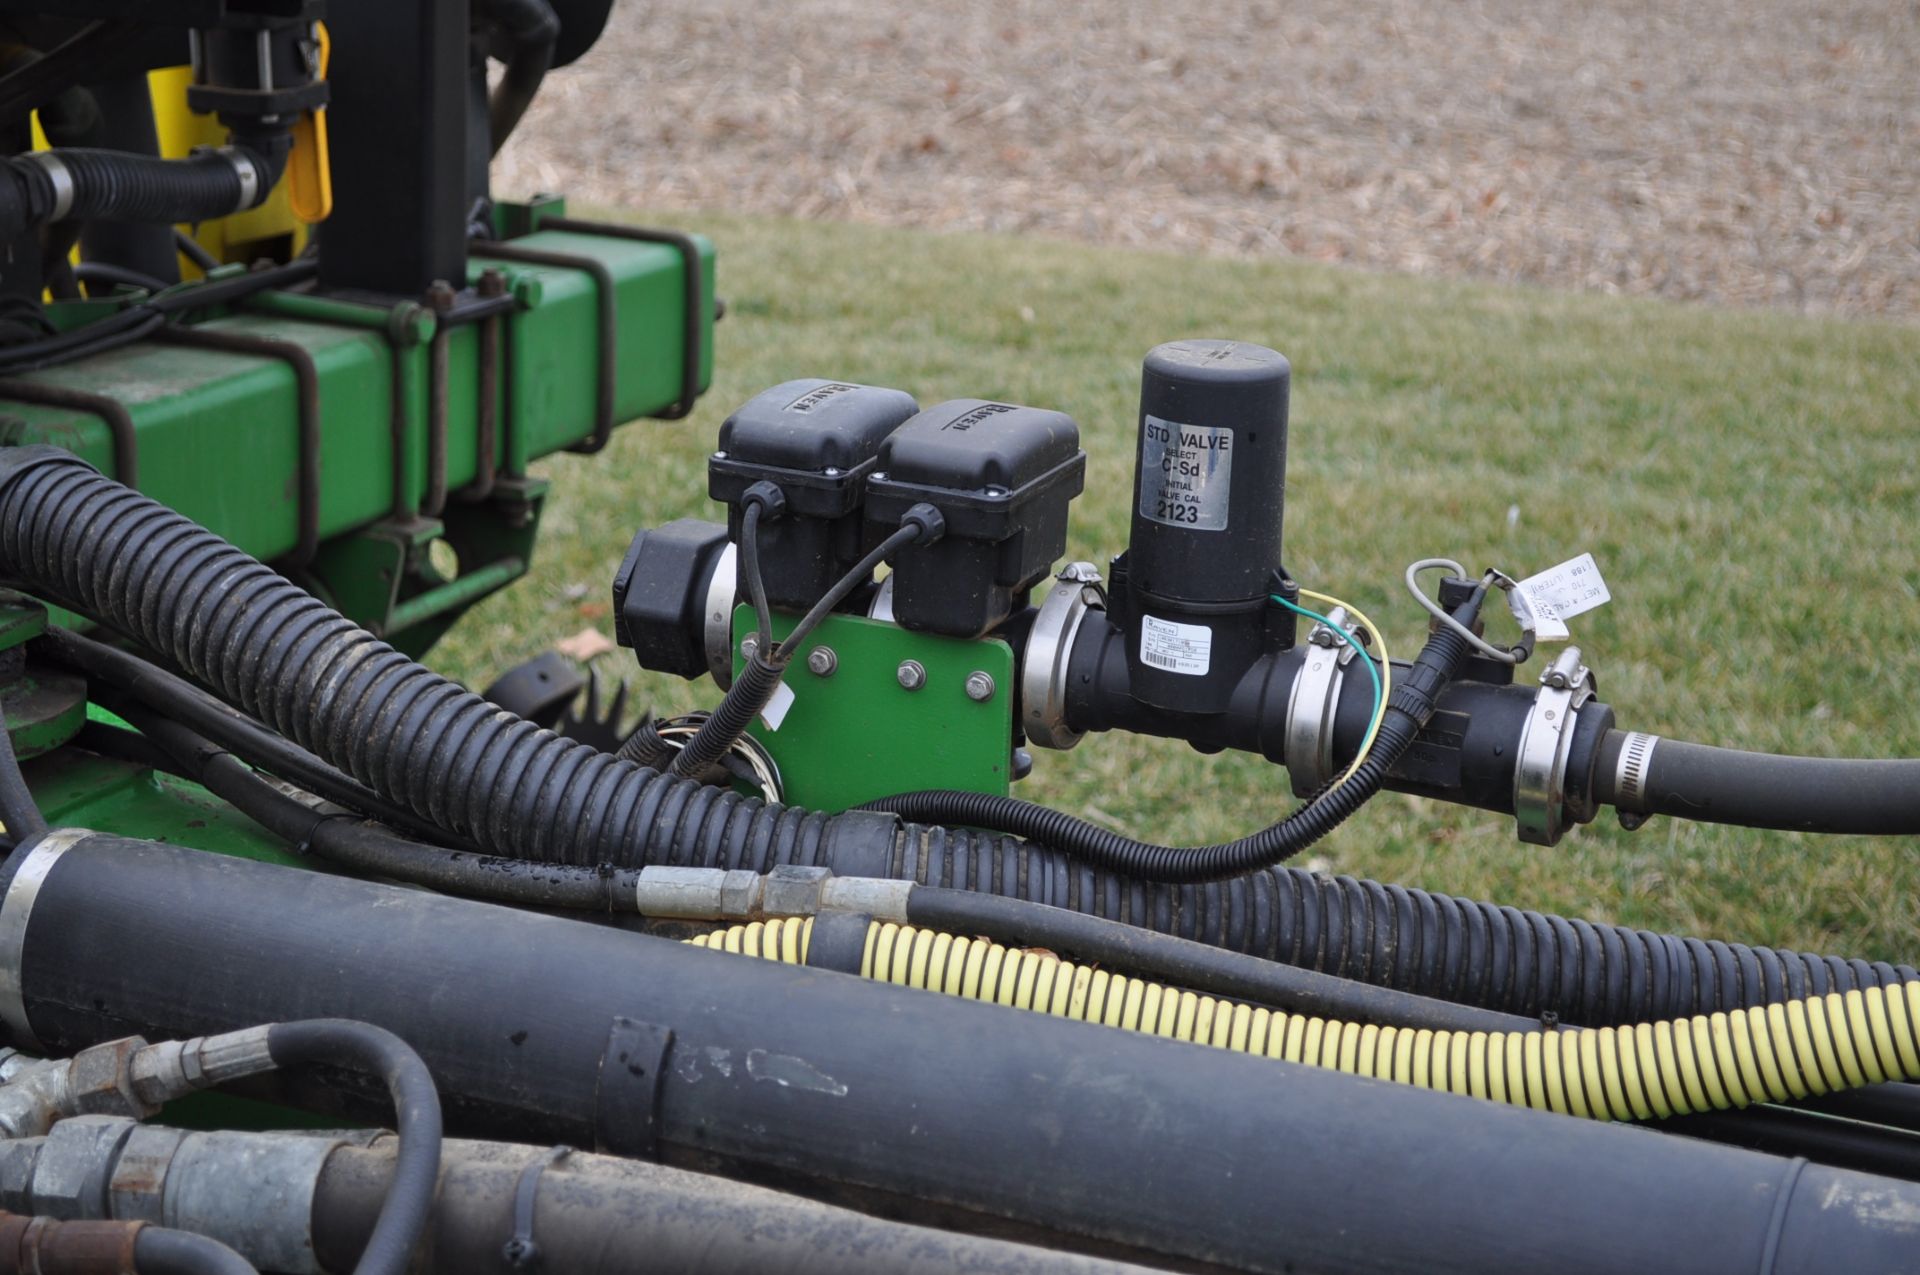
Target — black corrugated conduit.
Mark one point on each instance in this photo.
(78, 184)
(514, 789)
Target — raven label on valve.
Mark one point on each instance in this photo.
(1186, 474)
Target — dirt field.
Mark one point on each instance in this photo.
(1751, 152)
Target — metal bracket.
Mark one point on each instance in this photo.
(1313, 703)
(627, 1099)
(1540, 761)
(1043, 666)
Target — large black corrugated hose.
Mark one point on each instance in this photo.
(515, 789)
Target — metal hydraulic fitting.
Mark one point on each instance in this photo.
(714, 894)
(126, 1077)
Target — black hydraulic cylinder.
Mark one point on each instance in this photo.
(551, 1030)
(1208, 499)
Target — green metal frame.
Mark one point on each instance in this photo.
(858, 733)
(218, 431)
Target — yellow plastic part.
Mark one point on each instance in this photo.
(269, 229)
(1772, 1053)
(309, 167)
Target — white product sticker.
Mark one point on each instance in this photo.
(1560, 593)
(1177, 648)
(776, 710)
(1186, 472)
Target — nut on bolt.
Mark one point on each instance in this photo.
(980, 686)
(911, 674)
(100, 1080)
(821, 661)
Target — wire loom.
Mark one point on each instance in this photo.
(1771, 1053)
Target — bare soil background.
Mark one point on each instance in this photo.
(1761, 152)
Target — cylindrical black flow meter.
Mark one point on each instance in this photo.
(1209, 491)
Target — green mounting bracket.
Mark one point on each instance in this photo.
(45, 707)
(857, 731)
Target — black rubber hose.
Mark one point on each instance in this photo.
(159, 1250)
(174, 697)
(1407, 712)
(464, 765)
(372, 850)
(1473, 953)
(17, 806)
(362, 1047)
(1196, 966)
(108, 275)
(531, 30)
(1766, 790)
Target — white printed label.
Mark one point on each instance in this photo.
(1560, 593)
(1186, 473)
(776, 710)
(1177, 648)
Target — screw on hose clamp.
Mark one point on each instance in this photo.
(1546, 737)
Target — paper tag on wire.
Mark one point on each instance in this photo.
(776, 710)
(1560, 593)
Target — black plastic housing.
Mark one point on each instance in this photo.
(660, 593)
(1209, 494)
(816, 441)
(1002, 476)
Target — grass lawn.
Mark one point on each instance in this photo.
(1748, 482)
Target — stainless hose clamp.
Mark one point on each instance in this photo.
(1049, 651)
(1314, 702)
(717, 620)
(62, 178)
(15, 912)
(1540, 762)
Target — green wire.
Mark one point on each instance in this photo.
(1344, 636)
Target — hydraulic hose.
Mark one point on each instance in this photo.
(100, 185)
(17, 806)
(171, 697)
(1407, 713)
(531, 31)
(158, 1250)
(1713, 1062)
(463, 765)
(547, 1030)
(363, 1047)
(368, 848)
(1650, 775)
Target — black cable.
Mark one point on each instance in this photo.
(753, 690)
(193, 251)
(105, 272)
(373, 850)
(1198, 967)
(750, 572)
(1876, 797)
(160, 1250)
(175, 697)
(1414, 696)
(362, 1047)
(17, 806)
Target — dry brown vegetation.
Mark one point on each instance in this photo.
(1753, 152)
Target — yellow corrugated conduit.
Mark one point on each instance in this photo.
(1773, 1053)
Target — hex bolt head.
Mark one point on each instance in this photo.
(821, 661)
(912, 674)
(980, 686)
(749, 647)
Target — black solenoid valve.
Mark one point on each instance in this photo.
(816, 441)
(1002, 477)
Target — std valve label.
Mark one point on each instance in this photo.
(1186, 474)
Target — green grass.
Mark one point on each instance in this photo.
(1747, 481)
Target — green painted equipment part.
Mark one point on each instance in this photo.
(857, 733)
